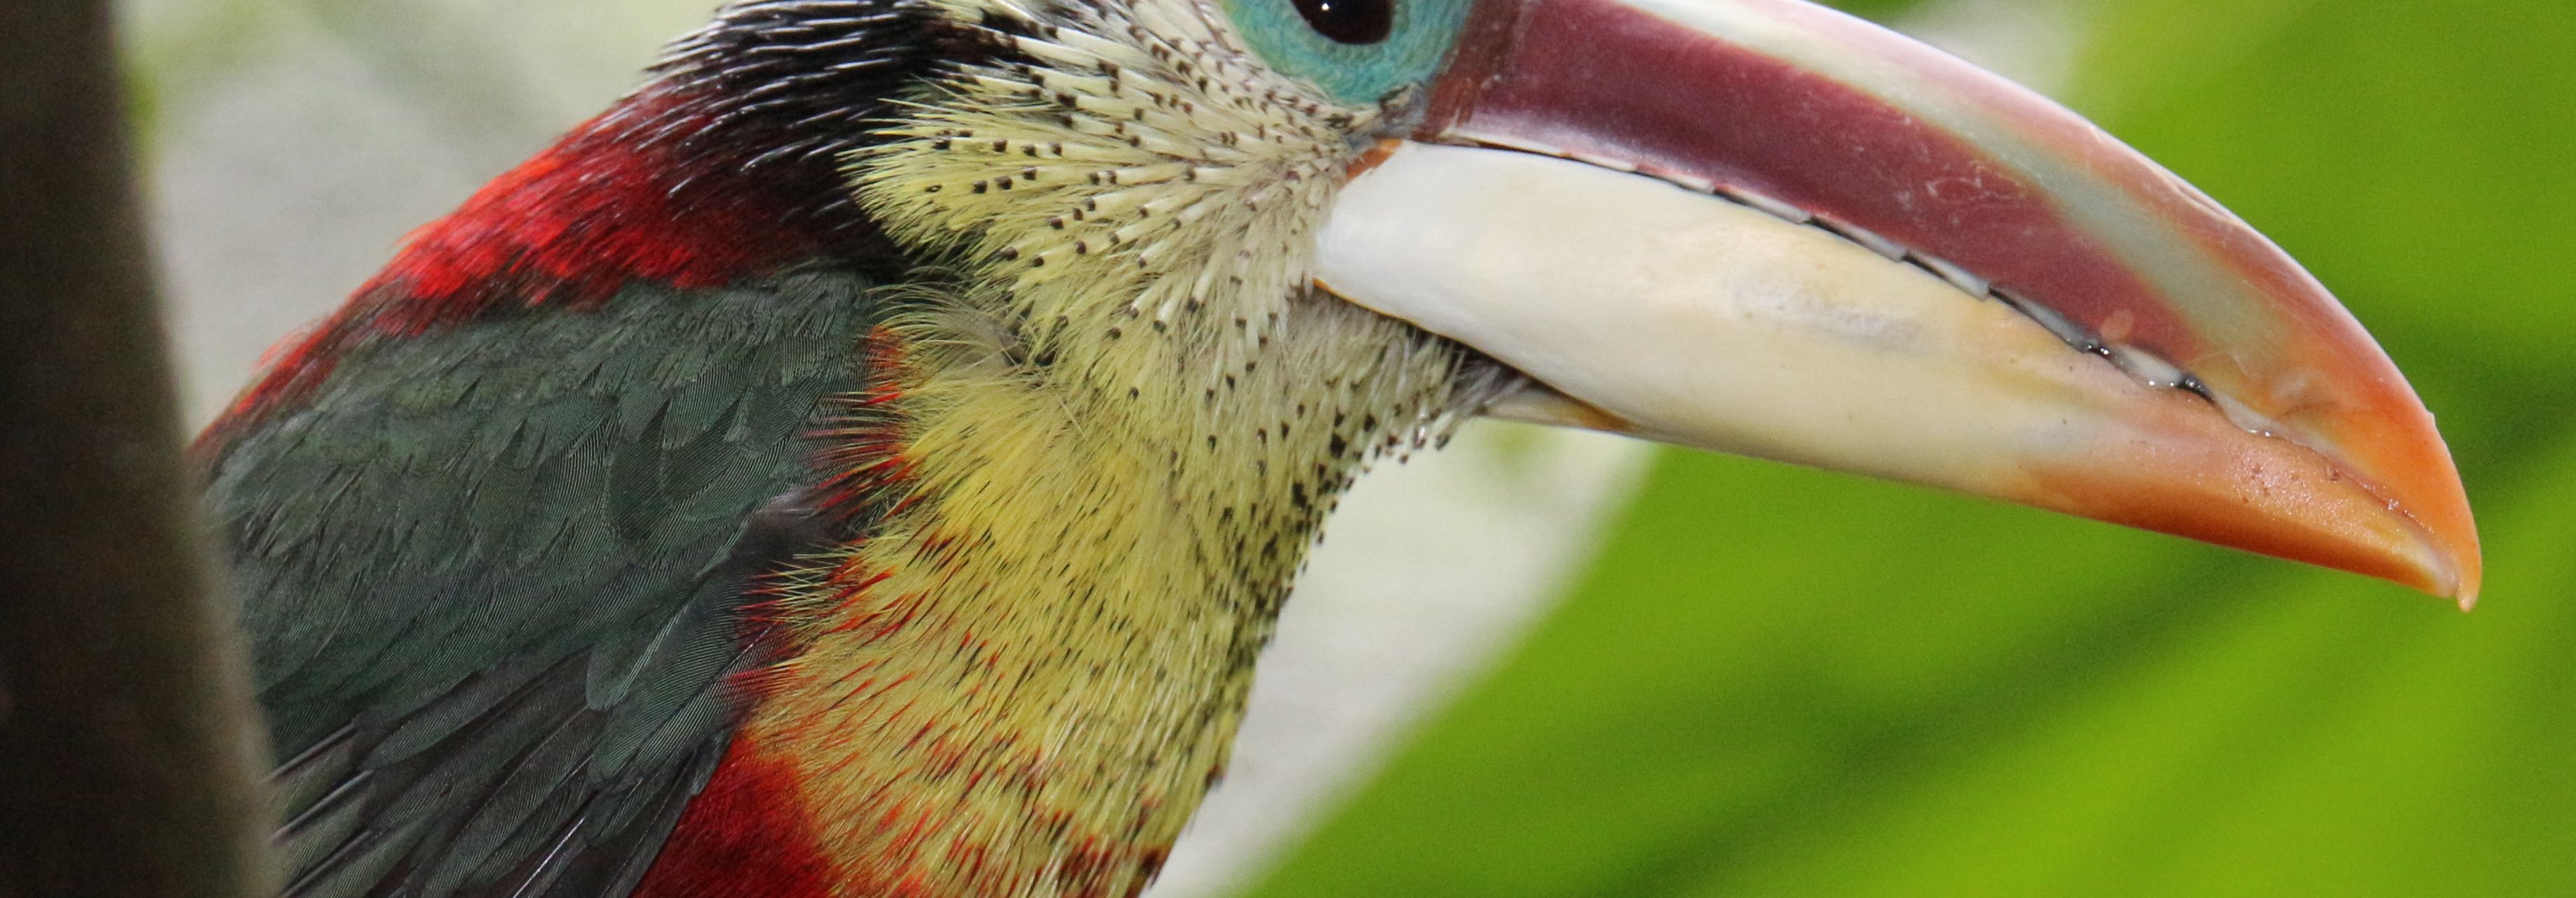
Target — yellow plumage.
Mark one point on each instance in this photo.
(1130, 328)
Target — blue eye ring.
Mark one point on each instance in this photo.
(1361, 50)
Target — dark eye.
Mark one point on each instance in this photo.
(1350, 21)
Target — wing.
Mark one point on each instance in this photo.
(495, 578)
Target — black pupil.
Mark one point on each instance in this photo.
(1350, 21)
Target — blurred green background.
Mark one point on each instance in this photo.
(1780, 682)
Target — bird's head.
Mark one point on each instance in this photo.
(1756, 226)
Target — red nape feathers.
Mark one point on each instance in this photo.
(633, 194)
(747, 835)
(647, 191)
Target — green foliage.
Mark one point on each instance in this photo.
(1780, 682)
(1876, 9)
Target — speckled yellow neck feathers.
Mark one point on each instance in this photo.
(1117, 431)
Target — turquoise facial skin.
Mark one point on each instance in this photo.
(1358, 74)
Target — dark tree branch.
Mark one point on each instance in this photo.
(128, 754)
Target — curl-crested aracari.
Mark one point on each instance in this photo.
(867, 460)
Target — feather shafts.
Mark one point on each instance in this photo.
(1046, 652)
(1119, 426)
(1136, 140)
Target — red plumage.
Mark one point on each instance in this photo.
(644, 191)
(745, 836)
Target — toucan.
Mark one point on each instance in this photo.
(869, 458)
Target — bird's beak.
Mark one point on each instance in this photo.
(1764, 227)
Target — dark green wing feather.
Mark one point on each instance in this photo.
(495, 575)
